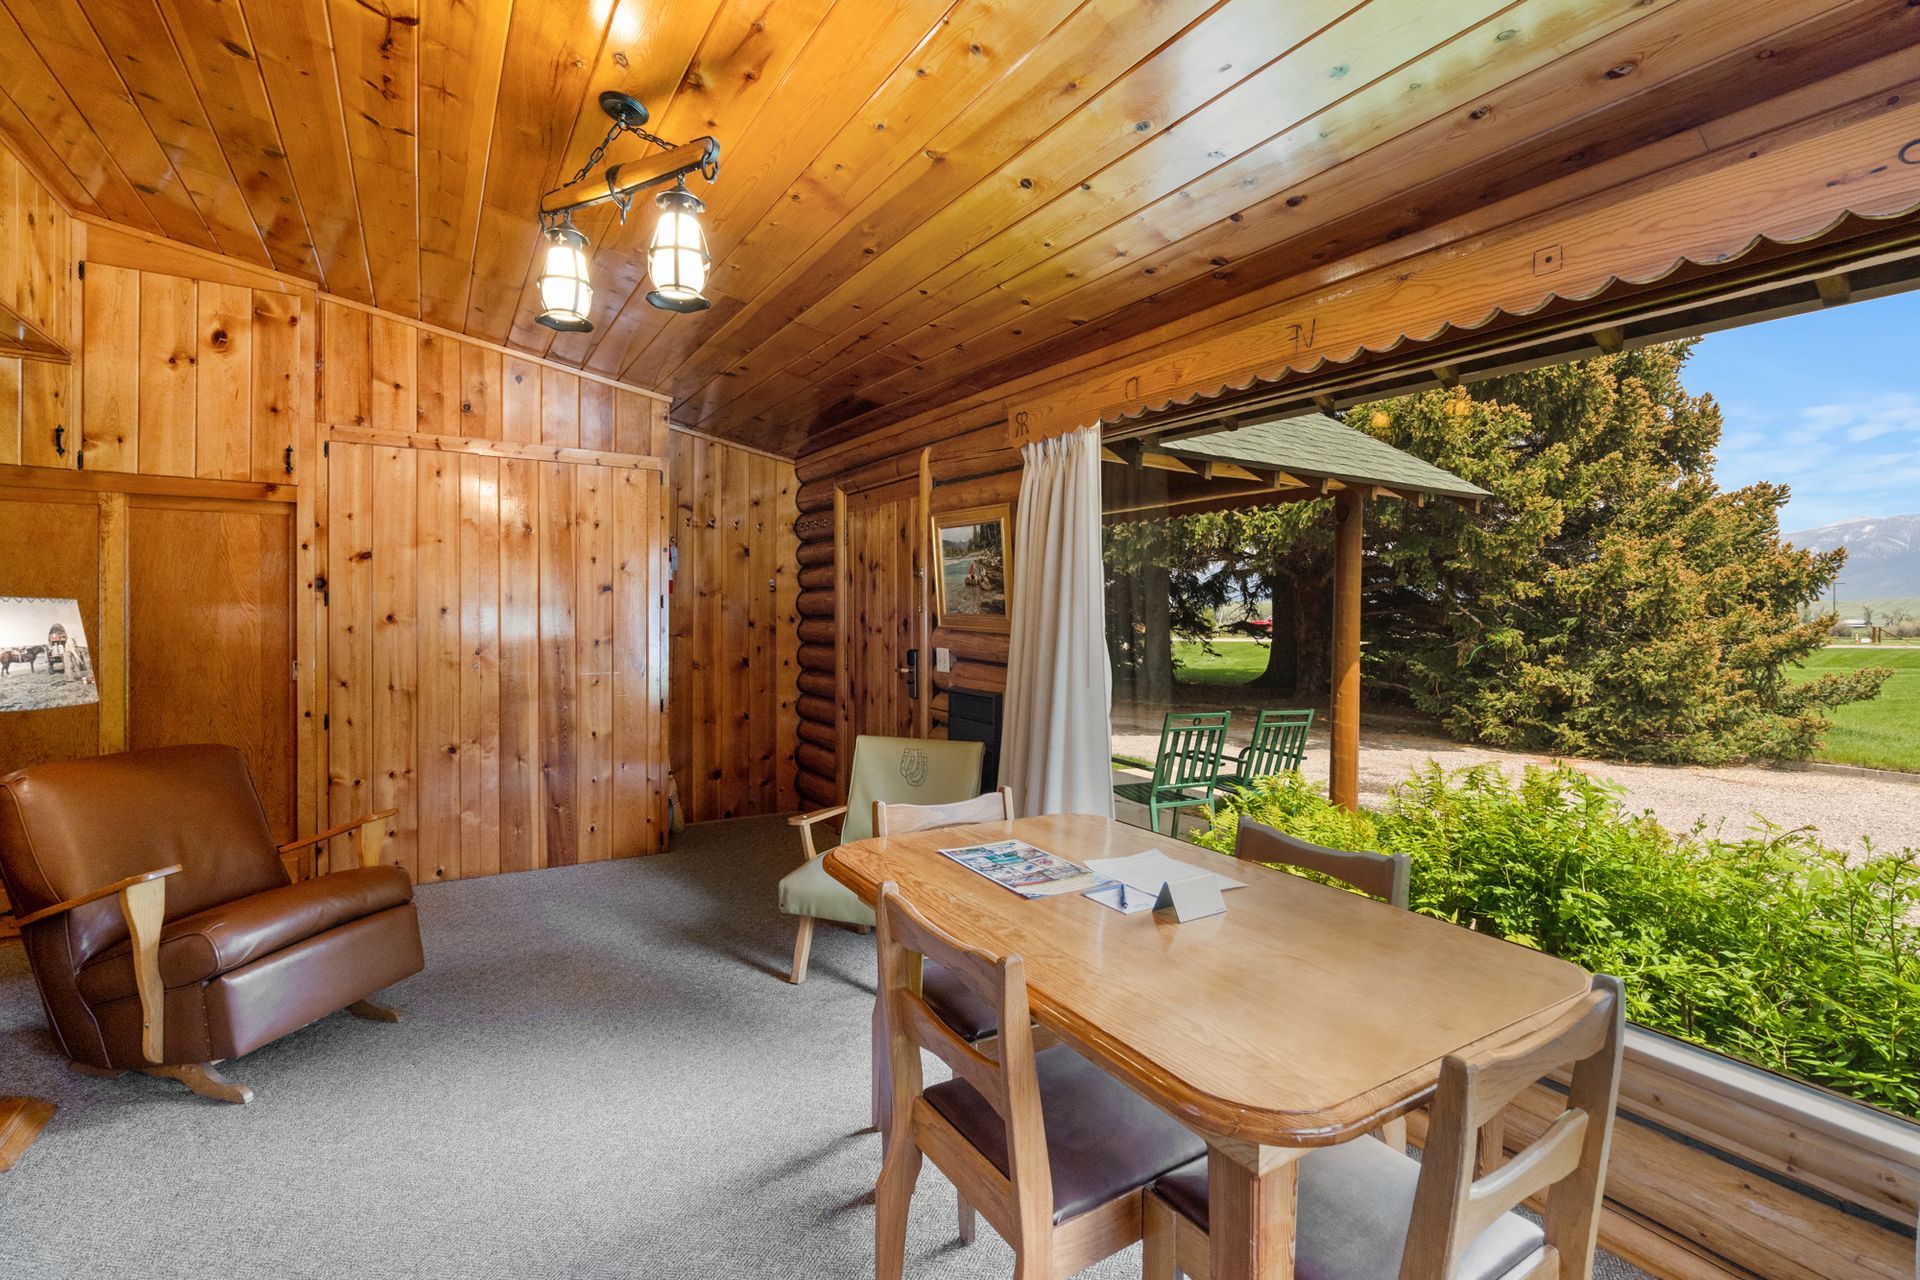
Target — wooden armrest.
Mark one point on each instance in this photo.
(818, 815)
(806, 821)
(104, 891)
(143, 903)
(367, 837)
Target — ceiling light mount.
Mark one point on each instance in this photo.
(677, 256)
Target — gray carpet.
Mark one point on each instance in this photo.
(600, 1074)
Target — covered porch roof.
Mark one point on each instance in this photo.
(1279, 458)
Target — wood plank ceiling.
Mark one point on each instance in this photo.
(918, 197)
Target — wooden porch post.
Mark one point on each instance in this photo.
(1344, 775)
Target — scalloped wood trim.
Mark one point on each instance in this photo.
(1779, 191)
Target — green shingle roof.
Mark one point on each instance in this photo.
(1315, 446)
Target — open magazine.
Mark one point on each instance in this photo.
(1029, 872)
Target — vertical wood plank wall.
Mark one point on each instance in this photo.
(507, 642)
(733, 619)
(492, 671)
(495, 637)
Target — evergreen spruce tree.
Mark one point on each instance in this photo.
(1609, 600)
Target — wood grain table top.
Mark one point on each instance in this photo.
(1300, 1017)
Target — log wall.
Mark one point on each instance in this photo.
(968, 464)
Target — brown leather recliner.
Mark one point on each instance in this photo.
(209, 952)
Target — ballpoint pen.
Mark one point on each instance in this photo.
(1123, 897)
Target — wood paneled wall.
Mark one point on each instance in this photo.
(734, 631)
(496, 656)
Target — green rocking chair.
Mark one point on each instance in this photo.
(1279, 745)
(1185, 767)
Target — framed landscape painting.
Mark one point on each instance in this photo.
(975, 570)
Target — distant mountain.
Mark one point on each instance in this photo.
(1883, 554)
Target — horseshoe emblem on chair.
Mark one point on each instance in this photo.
(913, 766)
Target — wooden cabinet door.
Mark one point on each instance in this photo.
(883, 549)
(210, 634)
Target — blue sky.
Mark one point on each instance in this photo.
(1827, 402)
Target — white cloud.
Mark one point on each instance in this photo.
(1843, 458)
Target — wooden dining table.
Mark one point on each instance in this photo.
(1302, 1017)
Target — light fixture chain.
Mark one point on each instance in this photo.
(599, 152)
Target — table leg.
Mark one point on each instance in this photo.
(1251, 1200)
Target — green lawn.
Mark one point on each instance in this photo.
(1884, 733)
(1234, 661)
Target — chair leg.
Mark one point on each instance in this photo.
(1157, 1249)
(21, 1120)
(203, 1079)
(892, 1197)
(802, 944)
(969, 1219)
(882, 1100)
(1394, 1134)
(373, 1012)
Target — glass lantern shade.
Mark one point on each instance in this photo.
(566, 292)
(677, 255)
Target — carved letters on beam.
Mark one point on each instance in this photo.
(1714, 210)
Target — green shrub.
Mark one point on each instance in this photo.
(1769, 947)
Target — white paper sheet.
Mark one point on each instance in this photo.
(1118, 897)
(1146, 872)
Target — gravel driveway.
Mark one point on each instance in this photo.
(1847, 809)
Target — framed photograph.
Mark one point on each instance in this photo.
(976, 568)
(44, 659)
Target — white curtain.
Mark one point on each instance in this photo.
(1056, 749)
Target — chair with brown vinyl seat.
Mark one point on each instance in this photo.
(1053, 1151)
(161, 925)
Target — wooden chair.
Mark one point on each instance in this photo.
(1386, 876)
(1278, 745)
(1184, 768)
(904, 819)
(1369, 1213)
(21, 1120)
(998, 1129)
(952, 1001)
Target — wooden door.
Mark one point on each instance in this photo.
(210, 634)
(496, 657)
(884, 593)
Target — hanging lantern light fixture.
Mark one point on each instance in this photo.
(566, 291)
(677, 257)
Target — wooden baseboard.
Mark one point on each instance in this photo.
(21, 1120)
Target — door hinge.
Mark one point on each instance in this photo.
(83, 270)
(326, 721)
(320, 585)
(79, 459)
(289, 460)
(326, 448)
